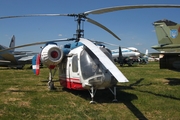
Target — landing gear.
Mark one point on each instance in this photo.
(50, 82)
(51, 85)
(114, 93)
(92, 92)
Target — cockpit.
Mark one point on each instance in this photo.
(89, 66)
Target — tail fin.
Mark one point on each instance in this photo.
(12, 43)
(120, 56)
(146, 53)
(167, 32)
(36, 64)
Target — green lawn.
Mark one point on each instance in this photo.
(152, 94)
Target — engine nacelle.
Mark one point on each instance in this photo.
(51, 55)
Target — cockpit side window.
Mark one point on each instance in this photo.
(75, 63)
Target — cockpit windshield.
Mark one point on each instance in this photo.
(89, 67)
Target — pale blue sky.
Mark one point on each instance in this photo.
(134, 27)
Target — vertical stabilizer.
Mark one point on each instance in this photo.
(146, 53)
(120, 53)
(167, 32)
(12, 43)
(120, 60)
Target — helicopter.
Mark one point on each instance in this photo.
(82, 64)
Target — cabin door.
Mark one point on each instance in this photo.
(73, 72)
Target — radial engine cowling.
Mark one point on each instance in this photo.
(51, 55)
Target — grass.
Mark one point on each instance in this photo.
(152, 93)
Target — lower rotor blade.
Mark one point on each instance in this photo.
(32, 15)
(104, 60)
(38, 43)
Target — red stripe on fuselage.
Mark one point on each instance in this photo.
(71, 83)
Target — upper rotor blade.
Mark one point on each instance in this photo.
(33, 15)
(107, 63)
(116, 8)
(38, 43)
(102, 26)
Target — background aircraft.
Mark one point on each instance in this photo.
(129, 55)
(169, 43)
(168, 36)
(14, 59)
(144, 57)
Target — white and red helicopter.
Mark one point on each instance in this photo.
(83, 64)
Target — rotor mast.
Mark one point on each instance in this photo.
(80, 30)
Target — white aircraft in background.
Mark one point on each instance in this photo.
(129, 55)
(144, 58)
(12, 58)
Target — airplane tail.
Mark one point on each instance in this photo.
(36, 64)
(144, 58)
(12, 43)
(146, 53)
(167, 32)
(120, 56)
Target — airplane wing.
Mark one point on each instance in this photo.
(4, 61)
(8, 56)
(20, 52)
(104, 60)
(165, 53)
(26, 58)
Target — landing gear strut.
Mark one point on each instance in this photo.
(114, 93)
(50, 82)
(92, 92)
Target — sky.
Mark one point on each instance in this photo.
(134, 27)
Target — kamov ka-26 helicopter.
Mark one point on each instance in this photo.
(82, 64)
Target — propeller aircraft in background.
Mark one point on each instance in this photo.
(14, 59)
(129, 55)
(82, 64)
